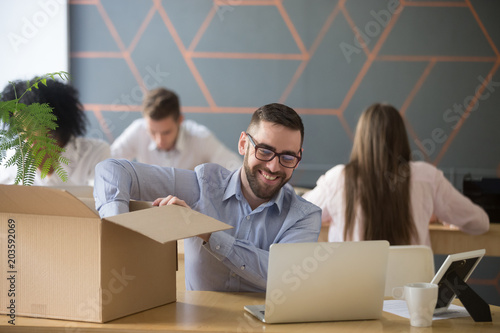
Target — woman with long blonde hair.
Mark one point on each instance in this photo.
(382, 194)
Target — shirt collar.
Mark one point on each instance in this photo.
(234, 189)
(234, 186)
(278, 199)
(180, 143)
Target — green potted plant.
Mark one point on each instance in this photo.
(24, 135)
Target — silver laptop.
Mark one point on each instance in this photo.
(324, 281)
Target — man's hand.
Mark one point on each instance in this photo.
(170, 200)
(173, 200)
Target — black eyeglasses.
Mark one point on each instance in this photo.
(263, 153)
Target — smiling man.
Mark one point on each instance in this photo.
(255, 199)
(163, 137)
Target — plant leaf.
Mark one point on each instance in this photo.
(25, 131)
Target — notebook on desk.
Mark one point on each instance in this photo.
(309, 282)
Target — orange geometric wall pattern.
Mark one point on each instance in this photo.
(323, 68)
(437, 61)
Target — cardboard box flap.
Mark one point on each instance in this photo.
(39, 200)
(181, 223)
(79, 191)
(90, 203)
(133, 205)
(138, 205)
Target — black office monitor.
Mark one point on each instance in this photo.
(484, 192)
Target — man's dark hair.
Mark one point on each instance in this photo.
(63, 98)
(161, 103)
(278, 114)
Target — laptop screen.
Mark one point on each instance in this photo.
(326, 281)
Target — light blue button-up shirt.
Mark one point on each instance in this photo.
(233, 260)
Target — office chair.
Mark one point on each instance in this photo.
(408, 264)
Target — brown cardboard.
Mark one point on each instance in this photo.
(70, 264)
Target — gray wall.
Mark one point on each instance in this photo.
(428, 60)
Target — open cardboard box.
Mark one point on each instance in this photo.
(59, 259)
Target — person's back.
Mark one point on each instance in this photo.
(82, 153)
(162, 137)
(381, 194)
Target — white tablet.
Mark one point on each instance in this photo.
(463, 264)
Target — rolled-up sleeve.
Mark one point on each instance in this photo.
(119, 181)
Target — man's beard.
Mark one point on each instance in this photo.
(263, 191)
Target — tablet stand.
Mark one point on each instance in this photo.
(473, 303)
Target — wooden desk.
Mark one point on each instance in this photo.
(223, 312)
(447, 240)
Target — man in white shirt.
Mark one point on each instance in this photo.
(162, 137)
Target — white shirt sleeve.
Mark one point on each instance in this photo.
(127, 144)
(454, 208)
(83, 154)
(101, 152)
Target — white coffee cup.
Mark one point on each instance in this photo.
(421, 299)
